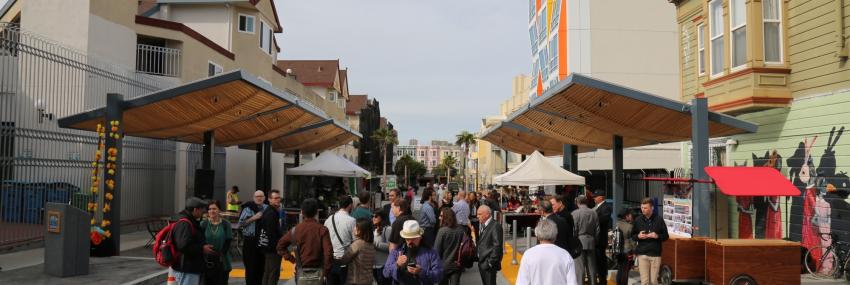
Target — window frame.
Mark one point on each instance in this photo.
(712, 38)
(556, 17)
(732, 29)
(701, 49)
(553, 54)
(218, 69)
(263, 28)
(779, 30)
(253, 23)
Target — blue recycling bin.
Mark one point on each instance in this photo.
(11, 201)
(60, 192)
(34, 203)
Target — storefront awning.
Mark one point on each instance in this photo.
(588, 113)
(239, 108)
(317, 137)
(751, 181)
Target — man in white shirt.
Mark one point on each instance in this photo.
(546, 263)
(341, 229)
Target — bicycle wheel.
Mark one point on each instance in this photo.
(824, 266)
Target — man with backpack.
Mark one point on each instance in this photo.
(189, 243)
(270, 233)
(313, 251)
(252, 255)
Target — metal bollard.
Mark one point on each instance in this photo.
(527, 238)
(513, 252)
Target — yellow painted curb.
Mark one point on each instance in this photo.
(287, 271)
(510, 271)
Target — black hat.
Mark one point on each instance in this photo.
(599, 192)
(195, 203)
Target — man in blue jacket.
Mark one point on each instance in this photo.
(413, 263)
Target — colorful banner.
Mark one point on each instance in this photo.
(678, 209)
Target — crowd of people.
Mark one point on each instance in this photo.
(393, 245)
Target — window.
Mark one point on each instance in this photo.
(534, 73)
(544, 60)
(715, 19)
(213, 69)
(531, 9)
(265, 37)
(421, 153)
(246, 23)
(701, 48)
(553, 53)
(533, 32)
(772, 31)
(433, 153)
(541, 26)
(332, 96)
(738, 30)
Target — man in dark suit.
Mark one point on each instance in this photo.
(490, 242)
(559, 208)
(603, 211)
(565, 231)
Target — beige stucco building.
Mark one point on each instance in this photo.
(179, 41)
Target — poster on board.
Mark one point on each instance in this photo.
(677, 209)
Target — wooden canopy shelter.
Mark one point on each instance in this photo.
(318, 137)
(581, 114)
(235, 106)
(519, 139)
(587, 112)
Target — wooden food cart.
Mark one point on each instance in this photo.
(735, 261)
(682, 260)
(763, 261)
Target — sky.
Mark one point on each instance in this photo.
(437, 67)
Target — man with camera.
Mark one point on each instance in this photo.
(413, 263)
(649, 231)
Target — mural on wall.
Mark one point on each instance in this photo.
(822, 207)
(768, 215)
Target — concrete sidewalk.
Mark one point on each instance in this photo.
(135, 266)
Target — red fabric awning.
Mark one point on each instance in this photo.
(751, 181)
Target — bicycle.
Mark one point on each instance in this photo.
(834, 259)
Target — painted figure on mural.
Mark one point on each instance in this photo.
(745, 214)
(804, 174)
(768, 213)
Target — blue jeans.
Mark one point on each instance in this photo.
(182, 278)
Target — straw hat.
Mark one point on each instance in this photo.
(411, 229)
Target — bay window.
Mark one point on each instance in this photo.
(738, 30)
(772, 18)
(715, 19)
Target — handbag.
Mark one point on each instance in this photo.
(304, 276)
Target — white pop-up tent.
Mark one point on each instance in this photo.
(536, 170)
(329, 164)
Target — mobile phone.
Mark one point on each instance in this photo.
(411, 263)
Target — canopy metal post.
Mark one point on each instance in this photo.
(571, 158)
(267, 166)
(259, 169)
(208, 154)
(617, 177)
(699, 160)
(114, 112)
(297, 158)
(506, 160)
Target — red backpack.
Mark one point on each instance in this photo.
(466, 253)
(164, 250)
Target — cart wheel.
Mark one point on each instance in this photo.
(743, 279)
(665, 277)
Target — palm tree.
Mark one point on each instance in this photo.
(385, 137)
(449, 163)
(465, 139)
(404, 163)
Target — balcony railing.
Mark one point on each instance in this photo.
(158, 60)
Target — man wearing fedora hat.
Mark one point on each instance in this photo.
(412, 263)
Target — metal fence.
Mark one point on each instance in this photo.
(41, 80)
(158, 60)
